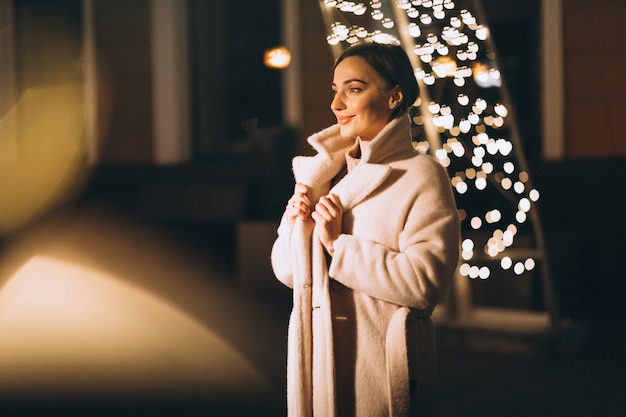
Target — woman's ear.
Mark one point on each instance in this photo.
(395, 97)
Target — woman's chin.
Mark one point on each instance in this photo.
(346, 132)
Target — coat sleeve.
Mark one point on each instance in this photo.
(281, 254)
(419, 272)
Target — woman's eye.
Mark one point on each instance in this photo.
(355, 90)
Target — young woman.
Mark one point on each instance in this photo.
(369, 243)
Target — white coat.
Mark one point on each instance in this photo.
(361, 341)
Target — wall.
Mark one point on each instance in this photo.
(595, 86)
(316, 76)
(123, 52)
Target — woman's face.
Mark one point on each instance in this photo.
(362, 103)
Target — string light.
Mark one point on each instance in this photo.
(449, 42)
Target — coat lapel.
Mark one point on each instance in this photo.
(360, 183)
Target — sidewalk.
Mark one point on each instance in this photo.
(193, 271)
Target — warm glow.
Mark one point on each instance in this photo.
(66, 328)
(444, 66)
(42, 154)
(278, 57)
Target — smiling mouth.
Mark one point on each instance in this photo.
(343, 120)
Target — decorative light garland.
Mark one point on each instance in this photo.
(468, 118)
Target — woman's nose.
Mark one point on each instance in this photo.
(337, 102)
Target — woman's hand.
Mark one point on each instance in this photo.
(299, 205)
(327, 216)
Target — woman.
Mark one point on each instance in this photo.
(368, 242)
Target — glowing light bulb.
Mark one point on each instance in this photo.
(385, 38)
(339, 29)
(347, 6)
(493, 216)
(442, 49)
(441, 153)
(474, 272)
(481, 104)
(465, 125)
(491, 146)
(507, 238)
(458, 150)
(500, 109)
(413, 13)
(332, 39)
(414, 30)
(403, 4)
(423, 147)
(360, 9)
(449, 33)
(426, 19)
(504, 146)
(524, 205)
(388, 23)
(533, 195)
(278, 57)
(506, 263)
(361, 32)
(484, 272)
(377, 14)
(481, 32)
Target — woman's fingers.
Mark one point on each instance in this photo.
(328, 217)
(299, 205)
(328, 207)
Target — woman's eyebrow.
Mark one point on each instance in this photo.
(358, 80)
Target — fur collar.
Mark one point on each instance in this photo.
(392, 142)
